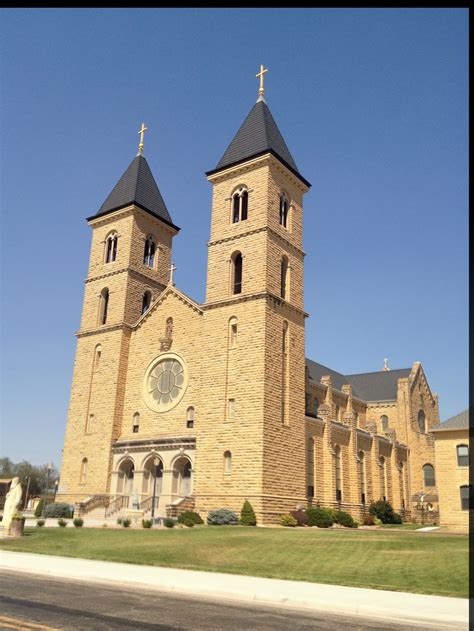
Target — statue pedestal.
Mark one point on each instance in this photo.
(134, 515)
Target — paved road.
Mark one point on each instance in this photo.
(36, 603)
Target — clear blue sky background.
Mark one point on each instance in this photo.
(373, 106)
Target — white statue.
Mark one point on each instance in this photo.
(12, 504)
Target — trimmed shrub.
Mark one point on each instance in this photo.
(119, 521)
(147, 523)
(189, 522)
(168, 523)
(288, 521)
(384, 511)
(368, 520)
(247, 515)
(344, 519)
(377, 521)
(126, 523)
(319, 517)
(300, 516)
(39, 508)
(78, 522)
(62, 523)
(58, 509)
(190, 515)
(222, 517)
(40, 523)
(397, 518)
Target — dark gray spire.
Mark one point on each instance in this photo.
(137, 186)
(257, 135)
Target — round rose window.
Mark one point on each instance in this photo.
(165, 383)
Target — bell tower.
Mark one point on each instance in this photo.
(254, 308)
(129, 267)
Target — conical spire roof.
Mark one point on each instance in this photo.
(137, 186)
(258, 134)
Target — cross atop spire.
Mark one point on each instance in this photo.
(261, 89)
(385, 364)
(141, 133)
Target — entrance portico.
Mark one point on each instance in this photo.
(165, 465)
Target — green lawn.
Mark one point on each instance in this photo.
(384, 559)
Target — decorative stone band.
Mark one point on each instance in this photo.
(133, 446)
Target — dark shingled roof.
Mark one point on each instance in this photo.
(460, 421)
(369, 386)
(257, 135)
(137, 186)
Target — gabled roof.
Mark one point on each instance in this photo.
(460, 421)
(137, 186)
(369, 386)
(258, 134)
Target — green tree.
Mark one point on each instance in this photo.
(247, 515)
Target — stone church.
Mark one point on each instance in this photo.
(189, 405)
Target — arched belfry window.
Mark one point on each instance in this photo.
(111, 247)
(146, 301)
(284, 211)
(240, 205)
(421, 421)
(284, 273)
(236, 273)
(104, 306)
(149, 253)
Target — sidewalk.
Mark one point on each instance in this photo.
(433, 611)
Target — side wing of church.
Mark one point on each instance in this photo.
(203, 406)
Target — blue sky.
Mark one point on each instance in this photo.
(373, 106)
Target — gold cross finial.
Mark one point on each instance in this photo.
(260, 74)
(141, 132)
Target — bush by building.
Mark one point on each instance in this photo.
(300, 516)
(62, 523)
(320, 517)
(222, 517)
(190, 515)
(383, 510)
(58, 509)
(168, 522)
(147, 523)
(288, 520)
(78, 522)
(247, 515)
(40, 523)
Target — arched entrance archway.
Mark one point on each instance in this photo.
(126, 474)
(152, 468)
(182, 477)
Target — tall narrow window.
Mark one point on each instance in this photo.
(338, 413)
(283, 211)
(231, 410)
(83, 474)
(384, 423)
(104, 305)
(240, 205)
(421, 421)
(89, 423)
(136, 423)
(429, 475)
(284, 374)
(190, 417)
(463, 455)
(149, 252)
(338, 471)
(362, 476)
(284, 277)
(466, 497)
(111, 248)
(316, 406)
(233, 333)
(237, 273)
(310, 465)
(146, 301)
(227, 462)
(383, 485)
(97, 355)
(401, 474)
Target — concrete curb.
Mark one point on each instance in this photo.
(433, 611)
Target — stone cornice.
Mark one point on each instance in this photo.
(258, 296)
(148, 444)
(105, 328)
(268, 229)
(131, 271)
(130, 210)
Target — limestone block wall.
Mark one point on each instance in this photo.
(453, 477)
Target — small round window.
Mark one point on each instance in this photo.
(165, 382)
